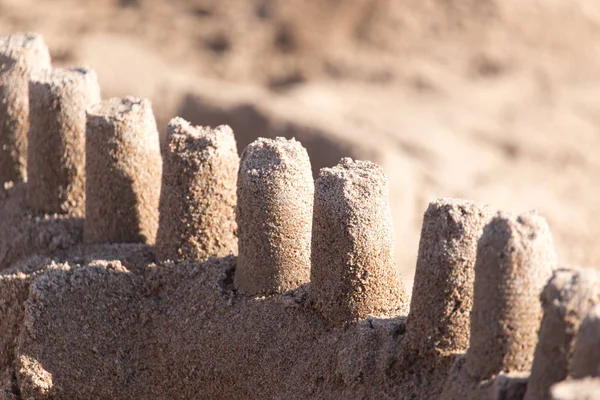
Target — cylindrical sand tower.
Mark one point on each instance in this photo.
(56, 155)
(566, 299)
(353, 269)
(123, 171)
(22, 56)
(274, 215)
(440, 309)
(198, 197)
(515, 259)
(586, 355)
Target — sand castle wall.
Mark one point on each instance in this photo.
(25, 232)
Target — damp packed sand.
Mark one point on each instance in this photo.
(478, 100)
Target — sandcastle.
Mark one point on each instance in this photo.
(197, 274)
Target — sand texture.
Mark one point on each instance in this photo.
(586, 355)
(56, 152)
(440, 310)
(24, 232)
(21, 57)
(181, 331)
(198, 195)
(515, 259)
(353, 270)
(274, 213)
(566, 300)
(123, 172)
(481, 100)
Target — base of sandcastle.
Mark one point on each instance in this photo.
(182, 331)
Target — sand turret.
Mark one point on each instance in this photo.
(56, 155)
(198, 196)
(274, 215)
(22, 56)
(439, 318)
(586, 355)
(515, 259)
(566, 299)
(123, 169)
(353, 269)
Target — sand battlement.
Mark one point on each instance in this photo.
(196, 273)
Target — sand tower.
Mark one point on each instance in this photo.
(123, 170)
(274, 215)
(515, 259)
(21, 57)
(440, 310)
(353, 270)
(566, 299)
(586, 355)
(56, 150)
(198, 196)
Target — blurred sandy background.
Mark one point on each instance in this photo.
(496, 101)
